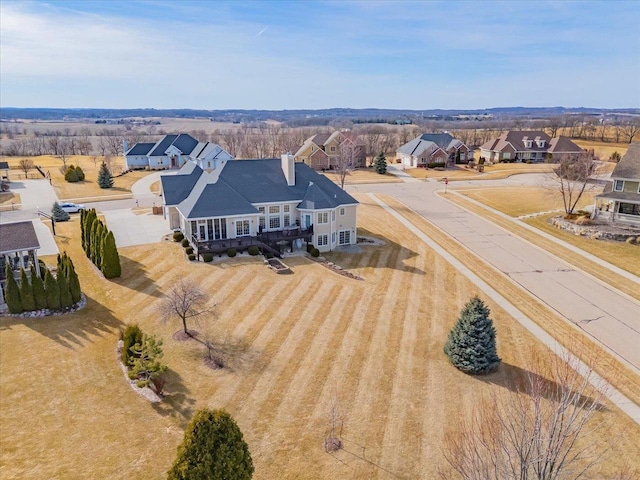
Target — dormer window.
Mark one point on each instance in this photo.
(541, 143)
(618, 185)
(528, 143)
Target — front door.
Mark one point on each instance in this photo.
(202, 232)
(306, 221)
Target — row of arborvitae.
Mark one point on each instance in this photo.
(142, 355)
(46, 291)
(99, 244)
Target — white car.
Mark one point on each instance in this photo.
(71, 207)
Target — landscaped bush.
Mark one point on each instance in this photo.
(436, 165)
(188, 250)
(132, 335)
(315, 252)
(191, 257)
(254, 250)
(59, 215)
(309, 247)
(232, 252)
(481, 161)
(177, 236)
(185, 242)
(207, 257)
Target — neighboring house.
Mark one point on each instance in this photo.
(434, 148)
(322, 151)
(276, 202)
(18, 248)
(173, 151)
(620, 201)
(528, 146)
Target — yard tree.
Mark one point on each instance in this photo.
(95, 240)
(58, 214)
(346, 160)
(185, 301)
(71, 175)
(89, 217)
(73, 280)
(83, 213)
(12, 291)
(101, 232)
(26, 293)
(132, 334)
(213, 449)
(105, 180)
(52, 290)
(535, 429)
(380, 164)
(110, 259)
(65, 294)
(26, 164)
(146, 365)
(571, 177)
(37, 287)
(471, 346)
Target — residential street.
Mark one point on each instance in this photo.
(608, 316)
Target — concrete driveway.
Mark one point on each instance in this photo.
(602, 312)
(131, 229)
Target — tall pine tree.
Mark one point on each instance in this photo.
(83, 213)
(213, 449)
(12, 291)
(58, 214)
(105, 180)
(65, 294)
(73, 280)
(110, 259)
(380, 164)
(37, 287)
(52, 290)
(26, 294)
(471, 346)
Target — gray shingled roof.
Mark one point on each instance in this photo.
(622, 196)
(4, 165)
(178, 187)
(441, 139)
(185, 143)
(217, 200)
(18, 236)
(315, 199)
(629, 166)
(162, 146)
(140, 149)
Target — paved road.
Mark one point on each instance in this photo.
(608, 316)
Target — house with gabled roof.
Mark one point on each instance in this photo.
(19, 247)
(322, 150)
(173, 151)
(620, 200)
(528, 146)
(434, 148)
(273, 202)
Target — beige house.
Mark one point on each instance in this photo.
(528, 146)
(277, 204)
(322, 151)
(433, 148)
(620, 201)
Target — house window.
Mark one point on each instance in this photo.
(506, 155)
(323, 240)
(242, 228)
(345, 237)
(333, 238)
(194, 227)
(287, 208)
(462, 155)
(220, 226)
(274, 222)
(274, 209)
(342, 211)
(333, 149)
(618, 185)
(528, 143)
(208, 164)
(323, 217)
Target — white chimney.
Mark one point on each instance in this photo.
(125, 146)
(288, 168)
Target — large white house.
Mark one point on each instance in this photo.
(274, 202)
(173, 151)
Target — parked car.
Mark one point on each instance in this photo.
(71, 207)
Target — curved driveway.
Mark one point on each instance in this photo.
(607, 315)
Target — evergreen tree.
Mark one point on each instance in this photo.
(380, 164)
(37, 287)
(65, 294)
(58, 214)
(110, 259)
(105, 180)
(72, 175)
(132, 334)
(83, 213)
(12, 291)
(213, 449)
(79, 173)
(471, 346)
(52, 290)
(26, 294)
(101, 233)
(146, 364)
(88, 229)
(94, 243)
(73, 280)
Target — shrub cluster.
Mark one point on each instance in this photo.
(54, 293)
(254, 250)
(178, 236)
(142, 354)
(232, 252)
(74, 174)
(315, 252)
(436, 165)
(184, 242)
(191, 257)
(188, 250)
(207, 257)
(99, 244)
(309, 247)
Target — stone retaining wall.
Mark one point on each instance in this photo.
(597, 232)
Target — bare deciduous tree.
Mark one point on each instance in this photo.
(26, 164)
(185, 301)
(631, 129)
(532, 432)
(346, 160)
(571, 177)
(332, 441)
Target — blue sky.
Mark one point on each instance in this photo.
(299, 54)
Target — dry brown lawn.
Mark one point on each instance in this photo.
(602, 149)
(292, 341)
(517, 201)
(7, 198)
(88, 189)
(363, 176)
(491, 172)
